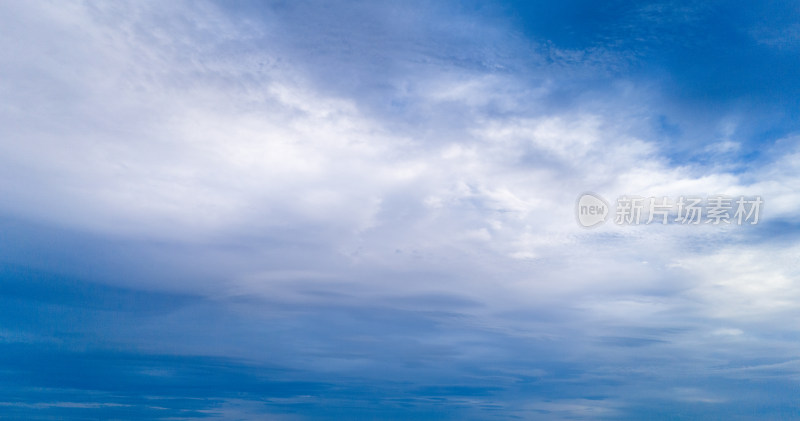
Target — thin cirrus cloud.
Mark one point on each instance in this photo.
(308, 210)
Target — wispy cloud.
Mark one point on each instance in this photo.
(311, 210)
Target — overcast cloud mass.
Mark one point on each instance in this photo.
(307, 210)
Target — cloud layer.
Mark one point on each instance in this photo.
(366, 210)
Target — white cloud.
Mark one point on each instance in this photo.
(136, 121)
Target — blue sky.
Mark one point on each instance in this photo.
(366, 210)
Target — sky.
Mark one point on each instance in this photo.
(366, 210)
